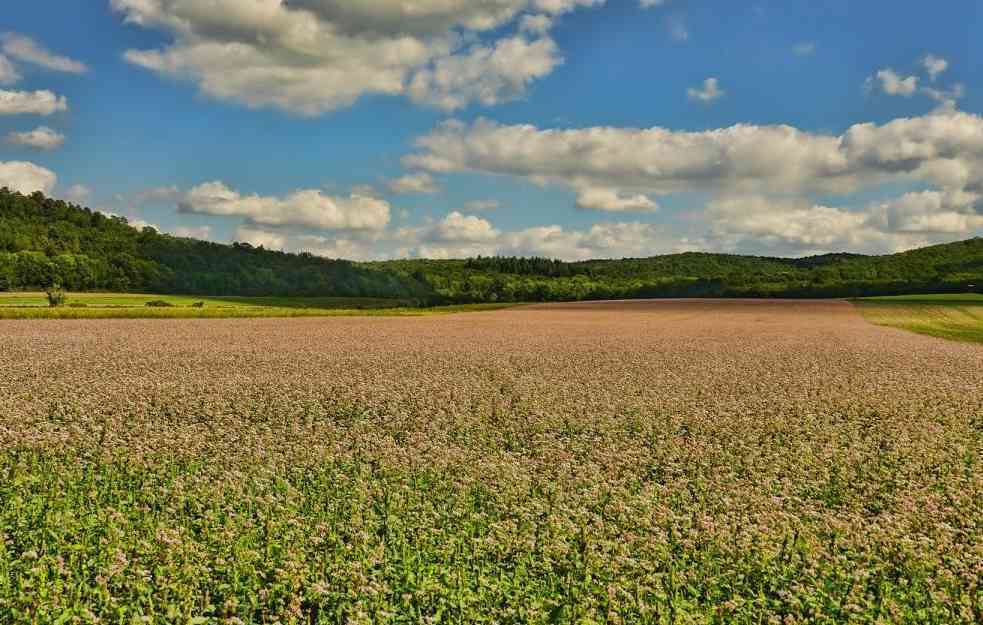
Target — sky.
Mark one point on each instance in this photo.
(570, 129)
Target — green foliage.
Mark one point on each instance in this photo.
(56, 296)
(159, 303)
(942, 268)
(43, 241)
(957, 317)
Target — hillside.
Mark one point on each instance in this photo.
(940, 268)
(45, 241)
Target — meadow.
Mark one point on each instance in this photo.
(773, 462)
(34, 305)
(956, 316)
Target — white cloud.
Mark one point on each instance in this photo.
(805, 48)
(760, 177)
(41, 138)
(944, 148)
(422, 17)
(709, 92)
(414, 183)
(264, 238)
(315, 56)
(611, 200)
(140, 224)
(29, 51)
(456, 227)
(535, 24)
(78, 193)
(956, 213)
(31, 102)
(307, 208)
(791, 226)
(203, 233)
(479, 206)
(488, 75)
(648, 4)
(947, 98)
(8, 73)
(158, 195)
(892, 83)
(934, 66)
(458, 237)
(26, 177)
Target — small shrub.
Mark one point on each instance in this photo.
(56, 296)
(198, 305)
(158, 303)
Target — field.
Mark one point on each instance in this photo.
(134, 306)
(953, 316)
(624, 462)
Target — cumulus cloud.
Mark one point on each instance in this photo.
(944, 148)
(892, 83)
(307, 208)
(708, 92)
(78, 193)
(31, 102)
(257, 238)
(796, 226)
(488, 75)
(203, 233)
(414, 183)
(27, 50)
(934, 66)
(611, 200)
(458, 236)
(41, 138)
(315, 56)
(26, 177)
(8, 73)
(770, 170)
(930, 212)
(158, 195)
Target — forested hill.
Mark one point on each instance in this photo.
(953, 267)
(45, 241)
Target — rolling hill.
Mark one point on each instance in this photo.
(44, 241)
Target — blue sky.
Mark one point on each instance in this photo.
(567, 128)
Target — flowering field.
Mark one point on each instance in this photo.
(635, 462)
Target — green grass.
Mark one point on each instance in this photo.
(134, 306)
(953, 316)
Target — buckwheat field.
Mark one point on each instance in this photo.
(639, 462)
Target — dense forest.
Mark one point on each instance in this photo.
(952, 267)
(44, 241)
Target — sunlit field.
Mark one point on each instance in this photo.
(626, 462)
(955, 316)
(140, 306)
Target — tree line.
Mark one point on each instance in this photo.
(46, 242)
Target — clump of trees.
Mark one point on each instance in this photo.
(56, 296)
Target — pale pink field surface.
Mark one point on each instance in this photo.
(731, 432)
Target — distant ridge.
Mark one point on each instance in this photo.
(44, 241)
